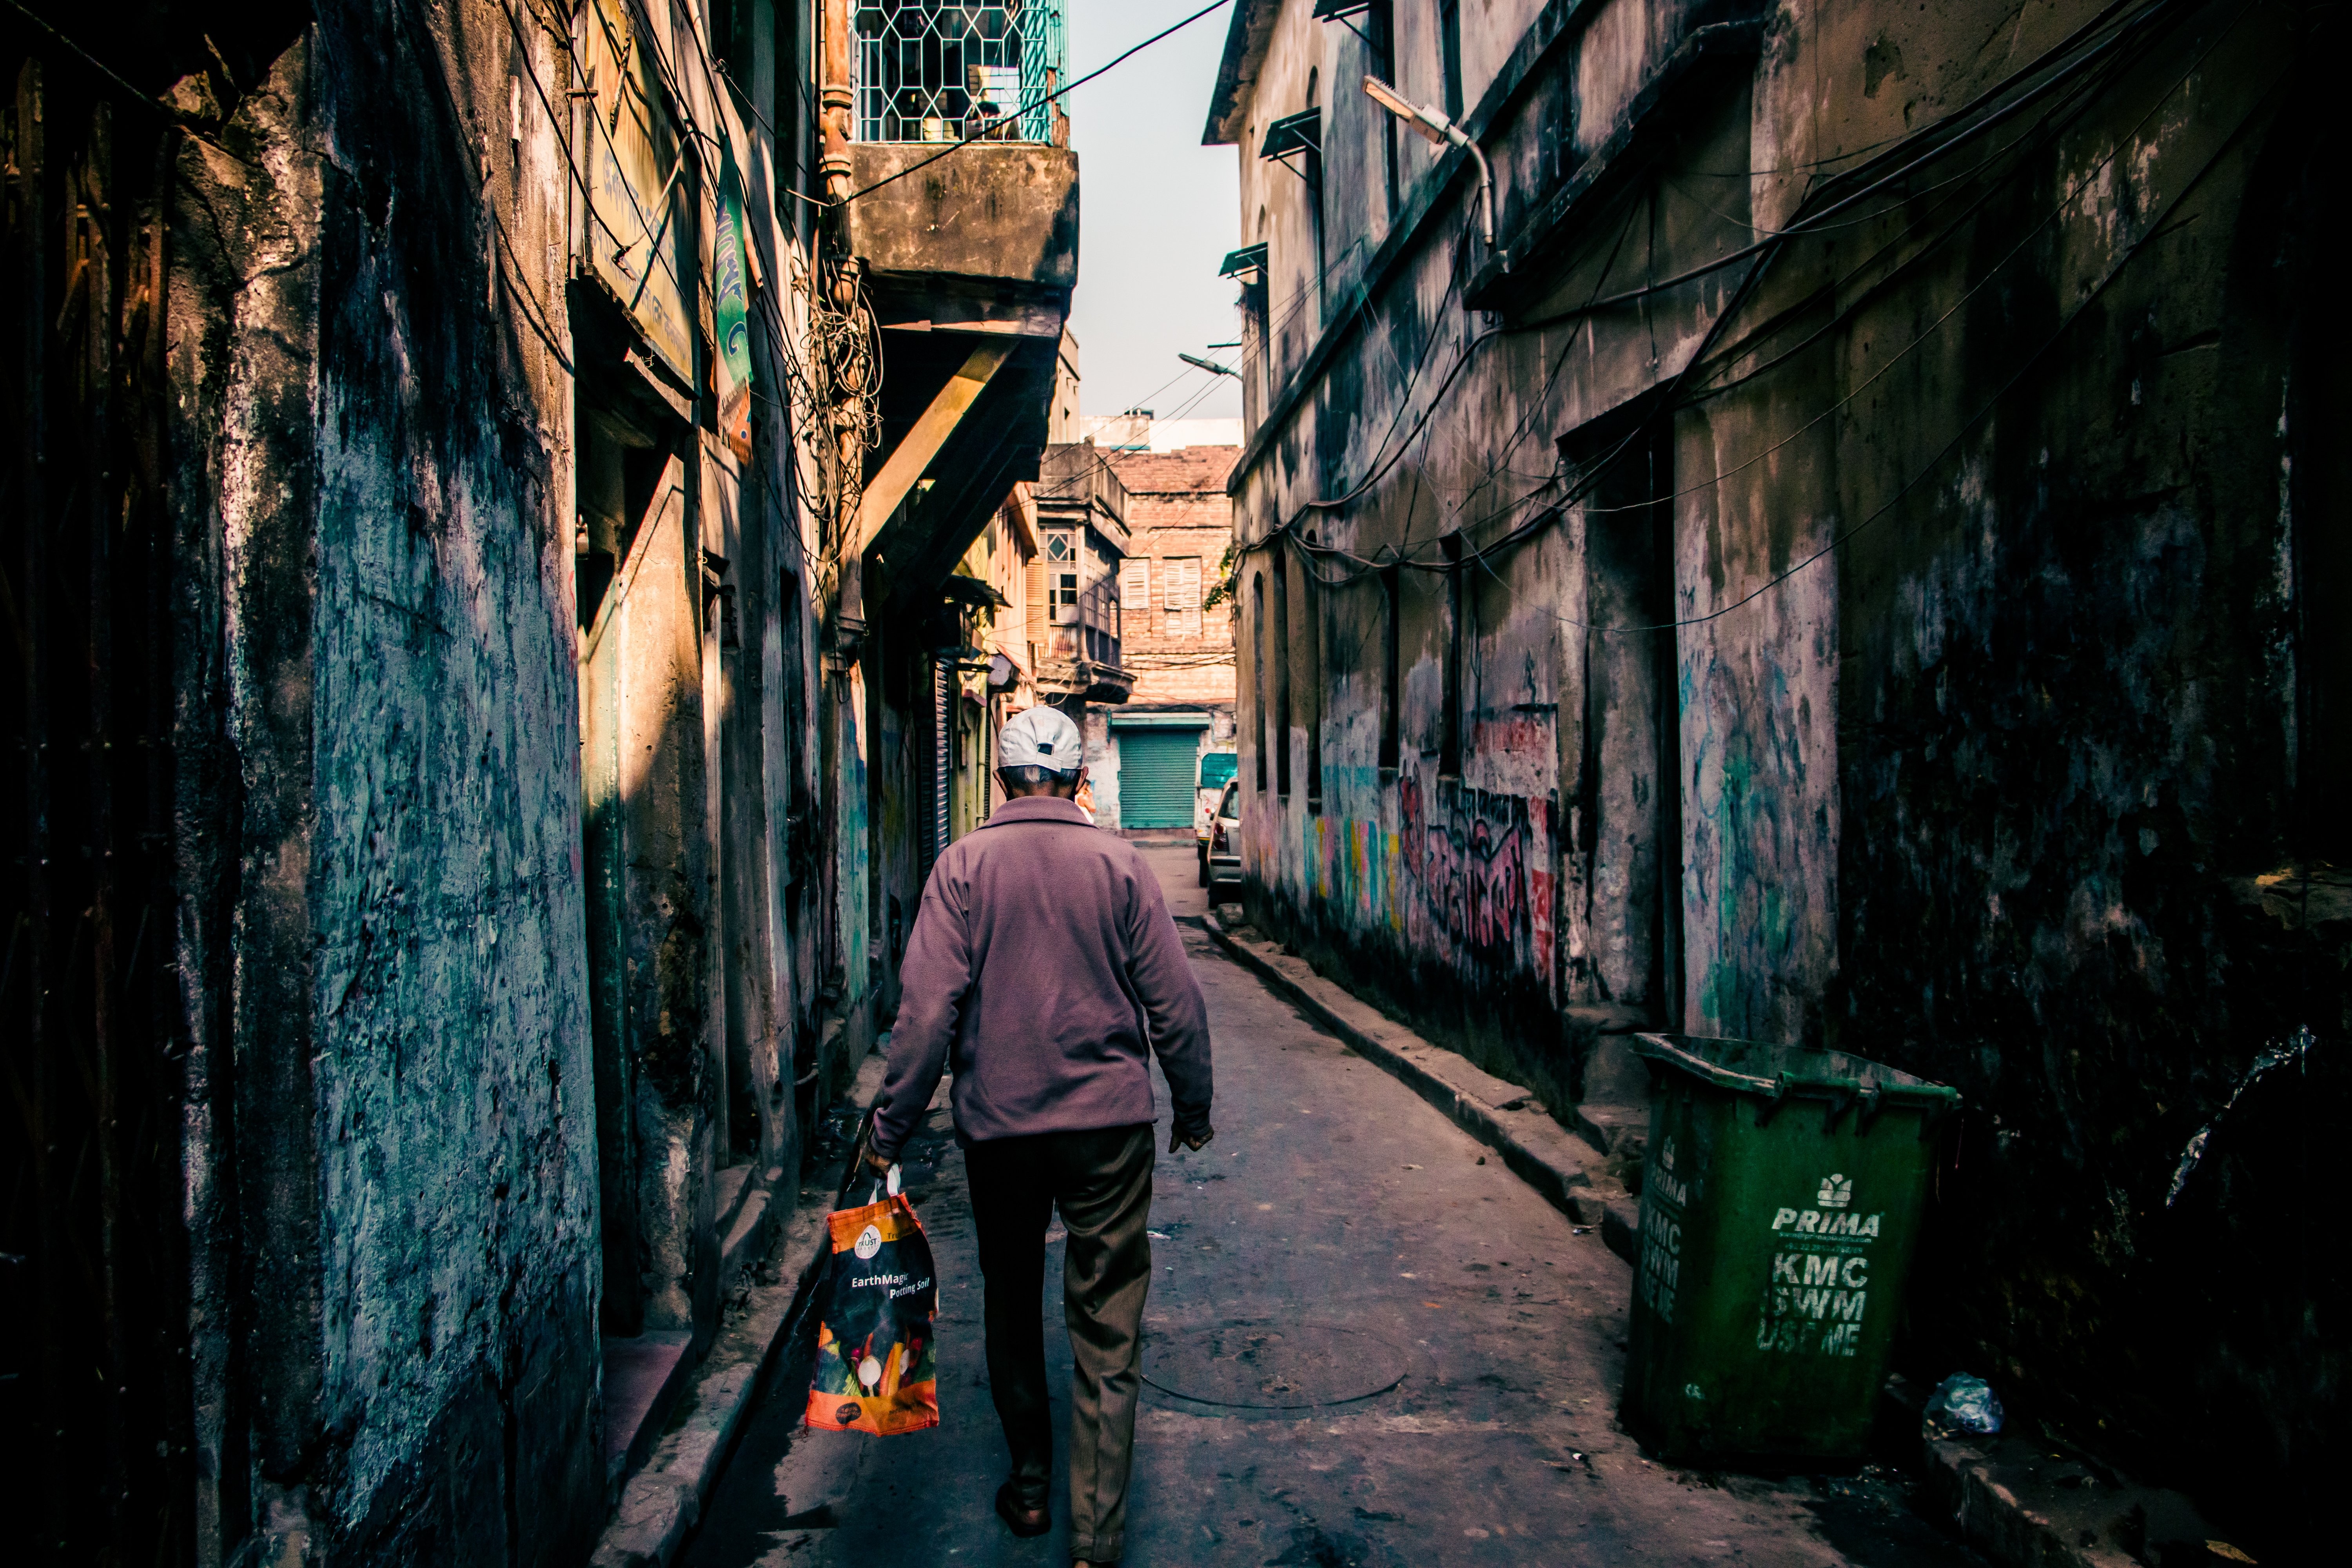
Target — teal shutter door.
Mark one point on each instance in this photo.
(1155, 776)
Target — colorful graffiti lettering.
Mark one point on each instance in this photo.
(1480, 860)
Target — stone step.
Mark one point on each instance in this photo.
(643, 1378)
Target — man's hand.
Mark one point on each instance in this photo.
(876, 1162)
(1177, 1138)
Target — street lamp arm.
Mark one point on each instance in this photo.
(1438, 130)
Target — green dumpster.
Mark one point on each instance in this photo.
(1780, 1199)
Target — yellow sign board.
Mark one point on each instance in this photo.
(641, 230)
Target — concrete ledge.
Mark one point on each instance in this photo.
(2024, 1505)
(644, 1376)
(1499, 1113)
(1619, 1220)
(661, 1503)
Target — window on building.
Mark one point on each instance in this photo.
(1449, 719)
(934, 72)
(1257, 672)
(1179, 595)
(1281, 673)
(1391, 585)
(1135, 592)
(1380, 38)
(1062, 578)
(1310, 615)
(1312, 170)
(1449, 44)
(1257, 332)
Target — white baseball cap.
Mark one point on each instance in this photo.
(1041, 736)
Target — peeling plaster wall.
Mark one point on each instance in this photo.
(1997, 748)
(2068, 711)
(411, 1335)
(1470, 899)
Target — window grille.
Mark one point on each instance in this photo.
(949, 70)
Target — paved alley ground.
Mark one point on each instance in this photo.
(1367, 1344)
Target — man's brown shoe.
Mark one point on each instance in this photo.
(1022, 1521)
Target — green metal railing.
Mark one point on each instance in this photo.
(946, 70)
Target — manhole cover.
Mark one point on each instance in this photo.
(1272, 1366)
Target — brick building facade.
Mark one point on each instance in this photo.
(1179, 646)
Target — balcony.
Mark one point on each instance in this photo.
(948, 70)
(1083, 534)
(970, 259)
(1084, 679)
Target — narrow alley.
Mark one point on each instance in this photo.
(1722, 621)
(1367, 1344)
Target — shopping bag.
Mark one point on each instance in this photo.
(877, 1366)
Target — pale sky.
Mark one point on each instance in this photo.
(1156, 212)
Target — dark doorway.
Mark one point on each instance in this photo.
(1628, 793)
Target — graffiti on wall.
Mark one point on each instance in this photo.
(1480, 862)
(1447, 871)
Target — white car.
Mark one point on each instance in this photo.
(1222, 862)
(1216, 771)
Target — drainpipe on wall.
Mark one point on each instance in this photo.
(835, 100)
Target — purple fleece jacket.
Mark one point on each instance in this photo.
(1044, 957)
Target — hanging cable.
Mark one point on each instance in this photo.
(953, 148)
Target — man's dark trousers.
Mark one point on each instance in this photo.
(1101, 1181)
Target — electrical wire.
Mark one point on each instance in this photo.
(2061, 71)
(1516, 535)
(1853, 308)
(1840, 540)
(955, 147)
(504, 245)
(1944, 134)
(1543, 396)
(2157, 227)
(780, 336)
(145, 100)
(186, 124)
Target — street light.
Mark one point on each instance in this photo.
(1439, 131)
(1210, 365)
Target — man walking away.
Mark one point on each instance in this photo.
(1044, 958)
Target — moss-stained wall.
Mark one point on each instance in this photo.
(403, 1175)
(2068, 713)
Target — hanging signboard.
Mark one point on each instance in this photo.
(641, 228)
(730, 306)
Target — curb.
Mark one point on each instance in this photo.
(662, 1503)
(1536, 1149)
(2018, 1503)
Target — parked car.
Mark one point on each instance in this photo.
(1217, 770)
(1224, 852)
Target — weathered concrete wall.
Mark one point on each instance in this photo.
(1931, 671)
(999, 211)
(411, 1333)
(673, 1025)
(1474, 886)
(2069, 707)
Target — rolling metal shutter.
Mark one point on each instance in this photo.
(1155, 776)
